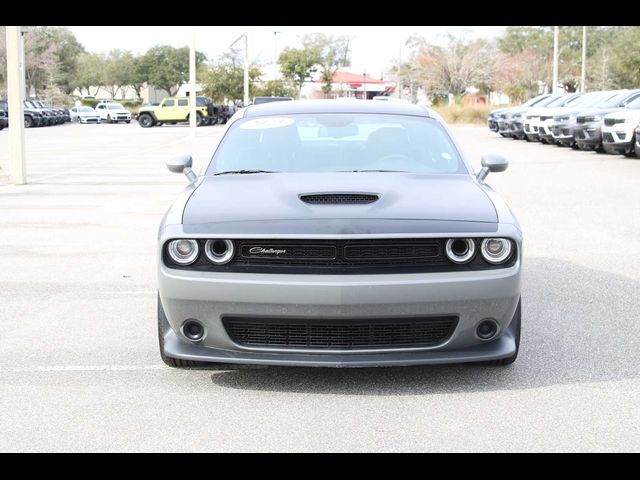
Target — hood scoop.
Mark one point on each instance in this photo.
(339, 198)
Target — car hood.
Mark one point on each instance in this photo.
(88, 114)
(501, 110)
(625, 113)
(598, 111)
(273, 198)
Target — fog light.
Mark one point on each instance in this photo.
(487, 329)
(193, 330)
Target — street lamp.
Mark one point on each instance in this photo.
(364, 85)
(275, 55)
(246, 64)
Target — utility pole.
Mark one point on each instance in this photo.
(246, 63)
(364, 85)
(555, 59)
(399, 83)
(15, 92)
(246, 67)
(193, 116)
(583, 78)
(275, 55)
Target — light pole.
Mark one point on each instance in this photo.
(192, 80)
(246, 64)
(364, 85)
(555, 60)
(583, 78)
(15, 92)
(275, 55)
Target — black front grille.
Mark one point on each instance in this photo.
(607, 137)
(581, 119)
(579, 134)
(609, 122)
(341, 253)
(328, 256)
(346, 334)
(339, 198)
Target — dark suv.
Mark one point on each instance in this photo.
(588, 129)
(32, 117)
(4, 119)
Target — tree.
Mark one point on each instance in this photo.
(139, 74)
(277, 88)
(454, 67)
(89, 76)
(333, 53)
(112, 77)
(224, 80)
(68, 50)
(297, 64)
(625, 64)
(40, 58)
(168, 67)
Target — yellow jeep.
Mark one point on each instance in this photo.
(175, 109)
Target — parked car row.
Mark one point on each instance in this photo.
(603, 121)
(36, 114)
(109, 112)
(174, 110)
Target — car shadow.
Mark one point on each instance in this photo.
(579, 326)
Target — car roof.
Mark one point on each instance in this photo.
(334, 106)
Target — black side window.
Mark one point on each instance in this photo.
(169, 103)
(183, 103)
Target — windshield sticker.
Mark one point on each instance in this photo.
(271, 122)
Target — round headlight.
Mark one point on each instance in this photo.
(183, 251)
(460, 250)
(495, 250)
(219, 252)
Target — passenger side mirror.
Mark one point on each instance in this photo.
(492, 163)
(183, 164)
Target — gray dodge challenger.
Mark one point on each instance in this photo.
(338, 233)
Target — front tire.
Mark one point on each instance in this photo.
(28, 122)
(145, 120)
(515, 327)
(199, 119)
(163, 329)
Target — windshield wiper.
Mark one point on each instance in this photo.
(242, 172)
(358, 171)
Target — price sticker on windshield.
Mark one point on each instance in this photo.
(269, 122)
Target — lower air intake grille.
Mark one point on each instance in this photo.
(340, 334)
(339, 198)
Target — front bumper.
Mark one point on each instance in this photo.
(545, 133)
(89, 119)
(504, 127)
(563, 133)
(470, 295)
(588, 134)
(618, 139)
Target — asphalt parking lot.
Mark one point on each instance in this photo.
(79, 363)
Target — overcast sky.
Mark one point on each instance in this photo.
(372, 48)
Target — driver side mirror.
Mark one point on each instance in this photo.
(183, 164)
(492, 163)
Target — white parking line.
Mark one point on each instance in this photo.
(83, 368)
(133, 292)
